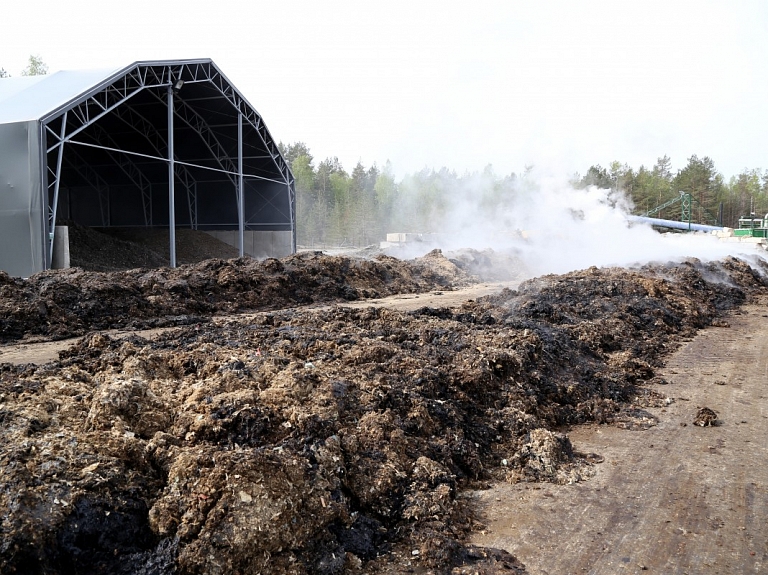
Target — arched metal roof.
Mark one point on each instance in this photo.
(101, 145)
(34, 97)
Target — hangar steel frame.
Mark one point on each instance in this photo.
(92, 123)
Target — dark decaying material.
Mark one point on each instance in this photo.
(317, 441)
(706, 417)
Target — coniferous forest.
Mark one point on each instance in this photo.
(340, 208)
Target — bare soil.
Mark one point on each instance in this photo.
(676, 498)
(40, 352)
(321, 440)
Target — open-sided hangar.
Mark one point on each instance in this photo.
(157, 144)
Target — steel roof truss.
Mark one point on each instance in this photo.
(176, 162)
(129, 168)
(111, 97)
(250, 115)
(106, 100)
(158, 143)
(91, 176)
(195, 121)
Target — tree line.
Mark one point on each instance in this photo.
(338, 208)
(358, 208)
(648, 188)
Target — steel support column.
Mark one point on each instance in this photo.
(171, 178)
(52, 209)
(241, 186)
(685, 208)
(292, 209)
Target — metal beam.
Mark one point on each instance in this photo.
(155, 139)
(199, 125)
(130, 169)
(253, 118)
(292, 204)
(177, 162)
(240, 187)
(86, 119)
(52, 209)
(171, 178)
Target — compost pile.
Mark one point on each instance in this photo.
(489, 264)
(92, 250)
(113, 249)
(65, 303)
(330, 440)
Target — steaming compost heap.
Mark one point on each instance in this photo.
(65, 303)
(307, 440)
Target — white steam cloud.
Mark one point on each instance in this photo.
(545, 225)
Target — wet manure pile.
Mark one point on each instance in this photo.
(65, 303)
(331, 441)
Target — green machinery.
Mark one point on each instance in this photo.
(749, 226)
(752, 227)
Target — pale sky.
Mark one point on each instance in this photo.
(558, 84)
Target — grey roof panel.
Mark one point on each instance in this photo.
(32, 97)
(9, 87)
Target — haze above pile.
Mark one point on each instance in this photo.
(545, 225)
(461, 85)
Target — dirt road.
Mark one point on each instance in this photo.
(409, 302)
(676, 498)
(43, 352)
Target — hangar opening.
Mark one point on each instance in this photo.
(170, 144)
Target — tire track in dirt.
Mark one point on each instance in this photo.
(42, 352)
(39, 353)
(676, 498)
